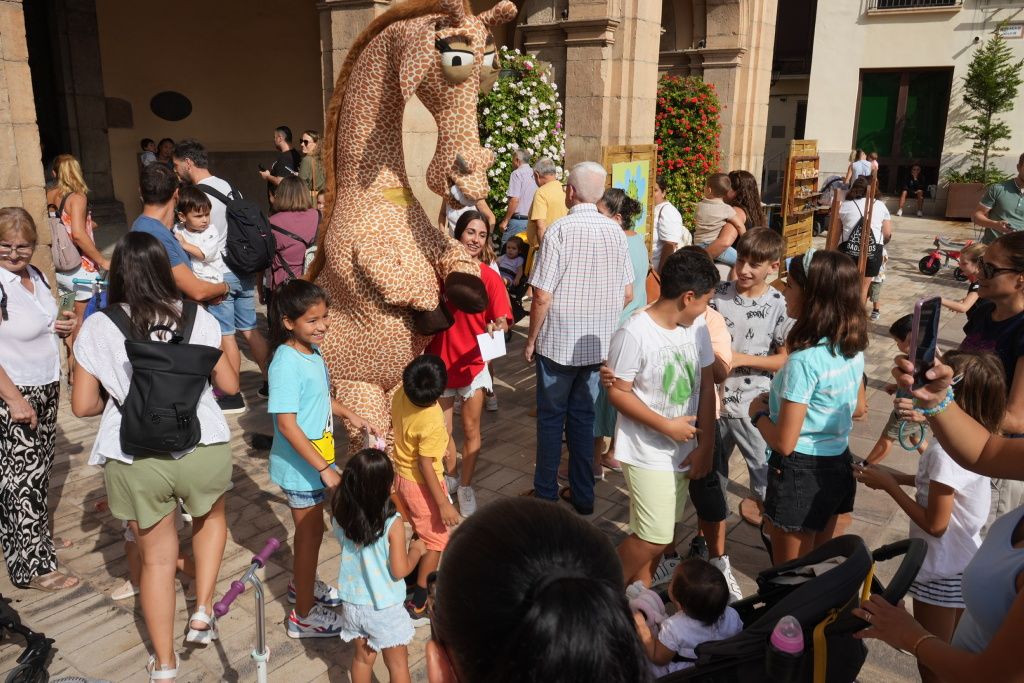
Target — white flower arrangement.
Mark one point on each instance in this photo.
(522, 111)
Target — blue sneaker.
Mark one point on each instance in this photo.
(319, 623)
(324, 594)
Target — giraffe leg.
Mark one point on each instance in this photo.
(370, 402)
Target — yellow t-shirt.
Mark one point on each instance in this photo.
(548, 205)
(419, 432)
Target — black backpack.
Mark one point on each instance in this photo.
(158, 415)
(250, 243)
(3, 293)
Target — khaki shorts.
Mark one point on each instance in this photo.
(656, 502)
(148, 490)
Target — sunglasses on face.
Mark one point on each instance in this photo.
(305, 142)
(989, 271)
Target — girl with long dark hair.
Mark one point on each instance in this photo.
(144, 491)
(746, 199)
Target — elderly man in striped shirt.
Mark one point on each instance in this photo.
(582, 280)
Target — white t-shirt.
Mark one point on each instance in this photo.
(210, 269)
(29, 353)
(668, 227)
(682, 634)
(664, 367)
(453, 214)
(100, 350)
(972, 494)
(218, 218)
(851, 211)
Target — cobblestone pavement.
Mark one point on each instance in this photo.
(99, 637)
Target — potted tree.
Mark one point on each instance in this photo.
(990, 88)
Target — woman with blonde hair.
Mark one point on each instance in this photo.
(311, 170)
(68, 200)
(29, 398)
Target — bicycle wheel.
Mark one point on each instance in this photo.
(28, 673)
(929, 265)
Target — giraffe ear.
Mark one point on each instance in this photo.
(456, 11)
(411, 62)
(502, 13)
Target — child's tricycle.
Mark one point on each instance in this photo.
(944, 252)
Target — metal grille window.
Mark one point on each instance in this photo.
(912, 4)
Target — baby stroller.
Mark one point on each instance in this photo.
(33, 661)
(822, 604)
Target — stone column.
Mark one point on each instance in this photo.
(84, 105)
(21, 171)
(341, 22)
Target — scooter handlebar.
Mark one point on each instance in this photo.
(222, 606)
(260, 559)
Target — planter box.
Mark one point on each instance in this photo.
(963, 198)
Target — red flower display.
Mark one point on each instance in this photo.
(687, 132)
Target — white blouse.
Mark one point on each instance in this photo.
(29, 352)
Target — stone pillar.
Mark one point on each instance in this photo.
(84, 105)
(341, 22)
(21, 171)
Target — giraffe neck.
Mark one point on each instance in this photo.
(375, 156)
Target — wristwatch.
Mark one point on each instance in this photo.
(757, 416)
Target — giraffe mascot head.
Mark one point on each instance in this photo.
(381, 259)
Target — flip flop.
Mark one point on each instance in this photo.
(61, 543)
(53, 582)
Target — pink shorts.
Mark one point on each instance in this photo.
(424, 515)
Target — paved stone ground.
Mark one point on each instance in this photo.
(98, 637)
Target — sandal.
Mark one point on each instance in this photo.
(128, 590)
(201, 636)
(61, 543)
(162, 673)
(53, 582)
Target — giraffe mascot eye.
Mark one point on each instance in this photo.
(456, 60)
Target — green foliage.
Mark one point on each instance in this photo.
(990, 88)
(521, 111)
(976, 174)
(687, 131)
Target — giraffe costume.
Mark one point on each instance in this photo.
(381, 259)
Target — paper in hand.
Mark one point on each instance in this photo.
(491, 347)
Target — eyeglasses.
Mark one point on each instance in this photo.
(989, 271)
(305, 142)
(6, 248)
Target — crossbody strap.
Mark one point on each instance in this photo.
(216, 194)
(60, 209)
(289, 233)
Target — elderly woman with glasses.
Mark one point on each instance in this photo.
(29, 396)
(311, 170)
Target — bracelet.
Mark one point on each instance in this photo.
(920, 640)
(758, 415)
(325, 467)
(932, 412)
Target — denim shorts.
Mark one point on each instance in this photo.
(805, 491)
(299, 500)
(237, 313)
(382, 628)
(481, 381)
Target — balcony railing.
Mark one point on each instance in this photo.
(886, 5)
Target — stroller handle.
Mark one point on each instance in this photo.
(913, 551)
(224, 604)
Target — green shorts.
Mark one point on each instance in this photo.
(875, 292)
(656, 502)
(147, 490)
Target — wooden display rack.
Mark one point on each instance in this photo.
(799, 196)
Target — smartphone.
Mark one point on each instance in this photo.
(261, 167)
(924, 336)
(67, 301)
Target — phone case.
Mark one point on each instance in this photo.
(915, 330)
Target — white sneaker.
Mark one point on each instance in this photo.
(467, 501)
(899, 212)
(666, 568)
(319, 623)
(491, 404)
(323, 593)
(451, 484)
(722, 564)
(919, 214)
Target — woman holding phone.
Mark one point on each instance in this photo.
(29, 396)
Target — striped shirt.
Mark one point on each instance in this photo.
(584, 264)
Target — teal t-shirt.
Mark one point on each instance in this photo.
(298, 384)
(828, 385)
(1006, 201)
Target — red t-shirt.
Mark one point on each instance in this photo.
(457, 345)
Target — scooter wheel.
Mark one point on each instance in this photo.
(929, 265)
(959, 275)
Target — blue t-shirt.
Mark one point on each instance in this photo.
(298, 384)
(828, 385)
(364, 573)
(176, 254)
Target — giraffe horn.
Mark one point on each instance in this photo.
(455, 9)
(502, 13)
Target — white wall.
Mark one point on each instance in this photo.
(847, 39)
